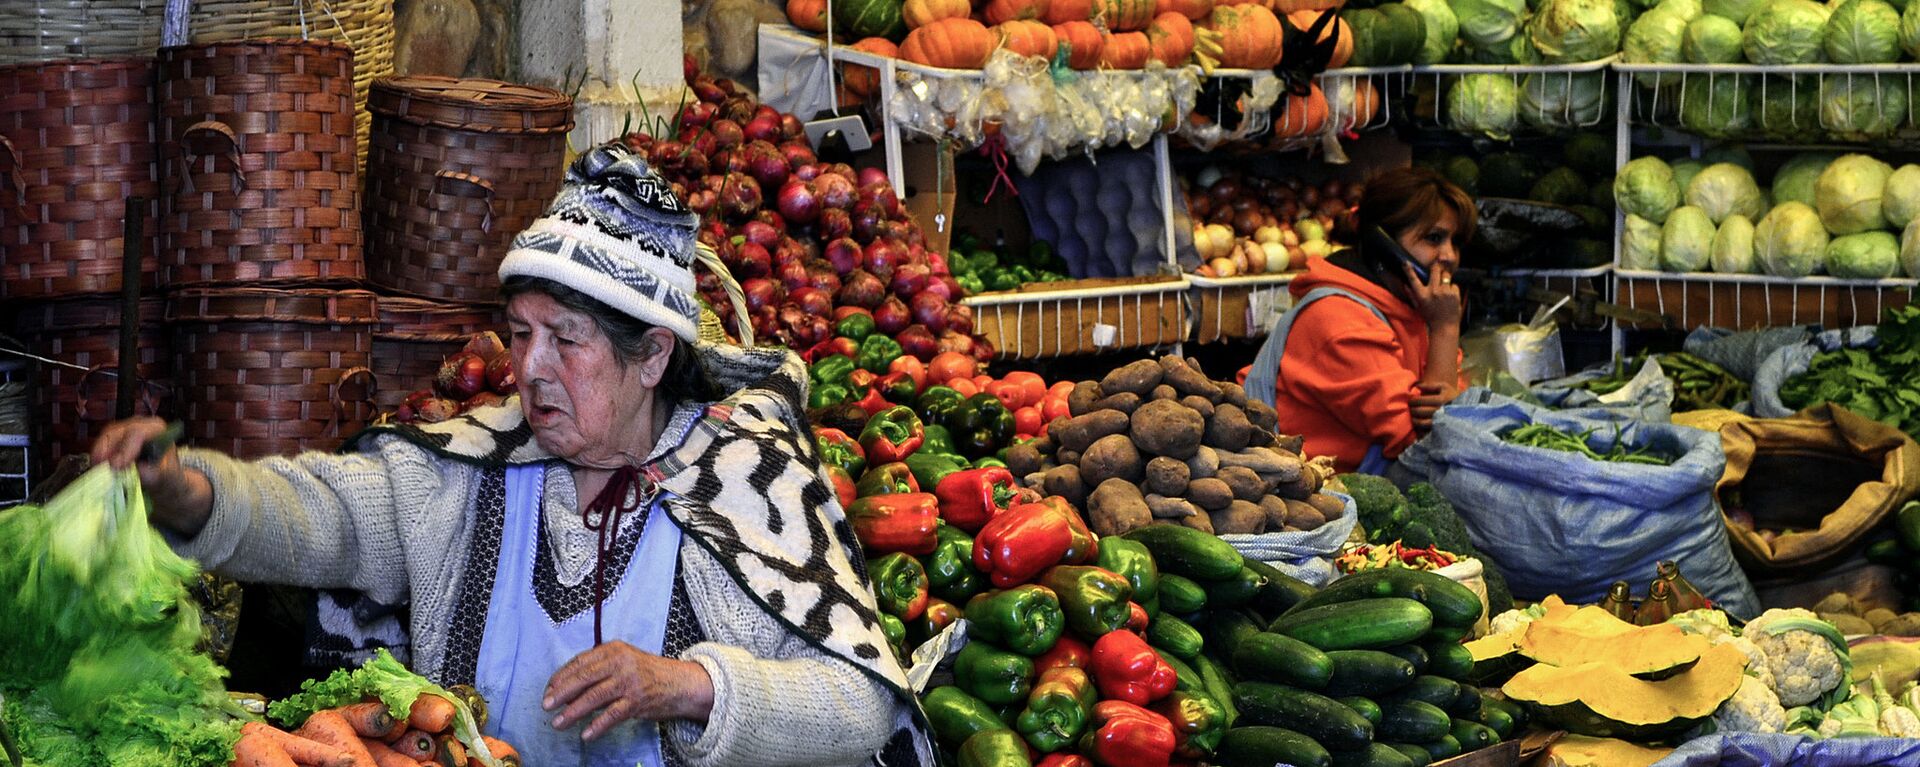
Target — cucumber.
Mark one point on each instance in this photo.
(1473, 736)
(1410, 721)
(1283, 591)
(1218, 686)
(1449, 659)
(1237, 591)
(1411, 654)
(1369, 624)
(1449, 633)
(1268, 657)
(1374, 755)
(1451, 603)
(1185, 677)
(1467, 706)
(1415, 754)
(1180, 595)
(1268, 746)
(1514, 711)
(1433, 691)
(1185, 551)
(1365, 707)
(1888, 552)
(1444, 748)
(1368, 673)
(1175, 636)
(1226, 629)
(1316, 716)
(1497, 720)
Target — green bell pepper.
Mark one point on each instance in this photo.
(1096, 601)
(1027, 619)
(1132, 561)
(892, 435)
(936, 439)
(950, 572)
(1001, 279)
(1057, 710)
(984, 259)
(823, 395)
(895, 631)
(989, 462)
(840, 449)
(833, 369)
(1199, 723)
(937, 404)
(897, 388)
(877, 352)
(993, 675)
(956, 716)
(939, 615)
(970, 283)
(994, 748)
(855, 326)
(929, 467)
(887, 479)
(900, 586)
(982, 425)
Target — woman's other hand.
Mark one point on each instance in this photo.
(1432, 397)
(1437, 298)
(623, 682)
(182, 499)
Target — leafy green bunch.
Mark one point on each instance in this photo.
(1881, 383)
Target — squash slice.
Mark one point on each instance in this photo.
(1593, 635)
(1601, 700)
(1582, 751)
(1496, 657)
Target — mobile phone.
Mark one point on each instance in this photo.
(1378, 238)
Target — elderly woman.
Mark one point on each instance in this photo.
(636, 562)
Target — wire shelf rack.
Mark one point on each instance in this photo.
(1744, 301)
(1084, 320)
(1238, 308)
(1550, 97)
(1801, 103)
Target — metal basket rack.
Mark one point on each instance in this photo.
(1569, 117)
(16, 464)
(1085, 320)
(1238, 308)
(1656, 95)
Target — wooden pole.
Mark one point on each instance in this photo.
(131, 254)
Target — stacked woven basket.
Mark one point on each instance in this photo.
(258, 329)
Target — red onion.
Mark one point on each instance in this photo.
(892, 316)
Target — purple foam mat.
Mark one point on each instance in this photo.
(1103, 218)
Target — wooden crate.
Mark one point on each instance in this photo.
(1080, 317)
(1743, 302)
(1503, 754)
(1238, 308)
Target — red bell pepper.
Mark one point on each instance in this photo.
(873, 401)
(1067, 651)
(1064, 759)
(832, 347)
(1085, 546)
(1126, 735)
(969, 499)
(838, 447)
(861, 378)
(892, 435)
(899, 522)
(913, 367)
(1015, 546)
(1137, 617)
(1127, 669)
(842, 483)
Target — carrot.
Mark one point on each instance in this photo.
(453, 753)
(370, 720)
(387, 757)
(299, 749)
(331, 728)
(431, 713)
(505, 754)
(416, 745)
(256, 750)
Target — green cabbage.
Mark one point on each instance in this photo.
(1573, 31)
(1441, 30)
(1657, 37)
(1686, 240)
(1684, 169)
(1725, 189)
(1848, 192)
(1735, 11)
(1486, 23)
(1561, 186)
(1900, 202)
(1591, 152)
(1864, 256)
(1732, 249)
(1640, 244)
(1555, 100)
(1910, 247)
(1516, 50)
(1716, 105)
(1463, 172)
(1863, 32)
(1787, 107)
(1484, 103)
(1790, 241)
(1509, 174)
(1645, 188)
(1733, 153)
(1712, 40)
(1686, 9)
(1601, 196)
(1786, 32)
(1863, 107)
(1910, 29)
(1794, 181)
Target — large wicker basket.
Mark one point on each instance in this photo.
(76, 140)
(48, 30)
(456, 168)
(257, 159)
(71, 406)
(272, 372)
(414, 335)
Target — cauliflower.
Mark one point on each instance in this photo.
(1808, 656)
(1896, 721)
(1757, 666)
(1513, 620)
(1711, 624)
(1857, 717)
(1752, 709)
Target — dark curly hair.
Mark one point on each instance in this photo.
(686, 378)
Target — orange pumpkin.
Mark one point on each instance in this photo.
(1301, 115)
(1249, 36)
(1003, 11)
(1125, 50)
(1125, 15)
(1292, 6)
(1063, 11)
(1083, 41)
(1342, 43)
(1194, 10)
(1028, 38)
(919, 13)
(864, 81)
(949, 43)
(1170, 39)
(1358, 107)
(1240, 2)
(810, 15)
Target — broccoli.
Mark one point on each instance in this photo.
(1381, 508)
(1421, 518)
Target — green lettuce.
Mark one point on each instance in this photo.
(382, 677)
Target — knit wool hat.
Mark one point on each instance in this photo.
(616, 232)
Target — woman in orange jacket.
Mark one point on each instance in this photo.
(1371, 348)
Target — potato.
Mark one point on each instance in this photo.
(1879, 617)
(1064, 481)
(1210, 493)
(1261, 415)
(1045, 444)
(1330, 508)
(1239, 517)
(1276, 510)
(1233, 394)
(1264, 460)
(1024, 459)
(1199, 404)
(1165, 427)
(1084, 395)
(1200, 522)
(1204, 463)
(1113, 457)
(1848, 624)
(1065, 457)
(1081, 431)
(1125, 402)
(1187, 380)
(1246, 485)
(1133, 378)
(1228, 429)
(1170, 508)
(1837, 602)
(1298, 489)
(1292, 443)
(1303, 515)
(1116, 508)
(1167, 476)
(1164, 391)
(1259, 438)
(1903, 625)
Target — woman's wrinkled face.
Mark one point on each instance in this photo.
(579, 399)
(1431, 243)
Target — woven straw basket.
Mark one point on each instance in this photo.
(76, 140)
(414, 335)
(256, 157)
(272, 372)
(74, 405)
(456, 168)
(33, 31)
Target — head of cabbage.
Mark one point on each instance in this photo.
(1640, 244)
(1786, 32)
(1657, 37)
(1684, 169)
(1910, 249)
(1793, 182)
(1864, 256)
(1486, 23)
(1862, 32)
(1555, 100)
(1733, 153)
(1712, 40)
(1442, 29)
(1573, 31)
(1686, 9)
(1848, 192)
(1735, 11)
(1732, 249)
(1787, 107)
(1864, 106)
(1644, 187)
(1484, 103)
(1686, 240)
(1716, 105)
(1725, 189)
(1900, 201)
(1790, 241)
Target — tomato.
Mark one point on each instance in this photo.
(952, 366)
(1009, 394)
(1061, 389)
(983, 381)
(965, 386)
(843, 312)
(913, 367)
(1027, 421)
(1034, 387)
(1054, 407)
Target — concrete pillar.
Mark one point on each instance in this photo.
(615, 45)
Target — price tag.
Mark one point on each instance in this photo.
(1265, 307)
(1105, 335)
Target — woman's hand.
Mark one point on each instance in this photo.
(182, 499)
(1432, 397)
(1437, 299)
(624, 682)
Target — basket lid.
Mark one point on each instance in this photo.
(472, 103)
(307, 305)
